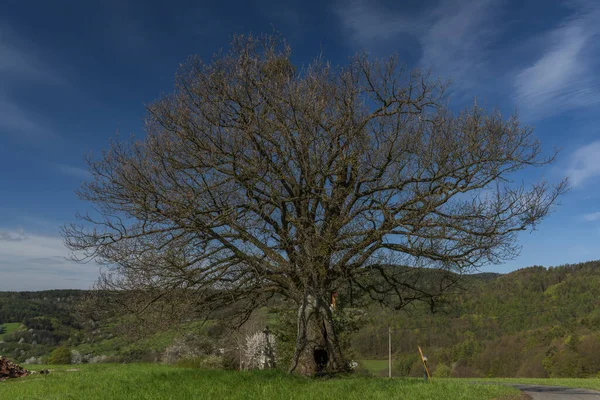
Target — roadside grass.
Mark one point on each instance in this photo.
(10, 328)
(581, 383)
(155, 381)
(375, 367)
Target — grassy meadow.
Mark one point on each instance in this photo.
(154, 381)
(10, 328)
(376, 367)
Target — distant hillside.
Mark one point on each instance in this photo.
(17, 306)
(485, 276)
(535, 322)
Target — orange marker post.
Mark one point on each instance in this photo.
(424, 364)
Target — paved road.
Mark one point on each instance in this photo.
(558, 393)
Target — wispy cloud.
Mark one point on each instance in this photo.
(457, 41)
(33, 262)
(74, 171)
(14, 236)
(18, 64)
(367, 22)
(584, 164)
(453, 36)
(16, 121)
(13, 61)
(591, 217)
(564, 76)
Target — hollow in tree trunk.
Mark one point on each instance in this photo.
(317, 348)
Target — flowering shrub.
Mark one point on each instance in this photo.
(260, 351)
(77, 357)
(188, 347)
(98, 359)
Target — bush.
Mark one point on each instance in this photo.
(404, 362)
(98, 359)
(442, 371)
(61, 355)
(462, 369)
(188, 347)
(260, 351)
(77, 357)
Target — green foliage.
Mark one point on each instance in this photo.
(442, 371)
(60, 356)
(19, 306)
(403, 363)
(572, 341)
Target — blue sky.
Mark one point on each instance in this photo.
(73, 74)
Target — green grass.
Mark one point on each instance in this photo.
(10, 328)
(376, 367)
(153, 381)
(581, 383)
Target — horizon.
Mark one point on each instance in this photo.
(72, 81)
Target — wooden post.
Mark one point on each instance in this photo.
(390, 351)
(424, 364)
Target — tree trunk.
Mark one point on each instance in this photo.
(317, 348)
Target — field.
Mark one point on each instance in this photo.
(10, 327)
(376, 367)
(152, 381)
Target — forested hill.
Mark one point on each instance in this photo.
(531, 322)
(19, 306)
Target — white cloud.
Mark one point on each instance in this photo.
(591, 217)
(74, 171)
(36, 262)
(563, 77)
(584, 164)
(453, 37)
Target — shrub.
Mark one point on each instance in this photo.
(188, 347)
(76, 357)
(61, 355)
(404, 362)
(442, 371)
(98, 359)
(260, 351)
(33, 360)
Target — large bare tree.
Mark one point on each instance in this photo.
(257, 178)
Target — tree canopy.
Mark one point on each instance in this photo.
(259, 178)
